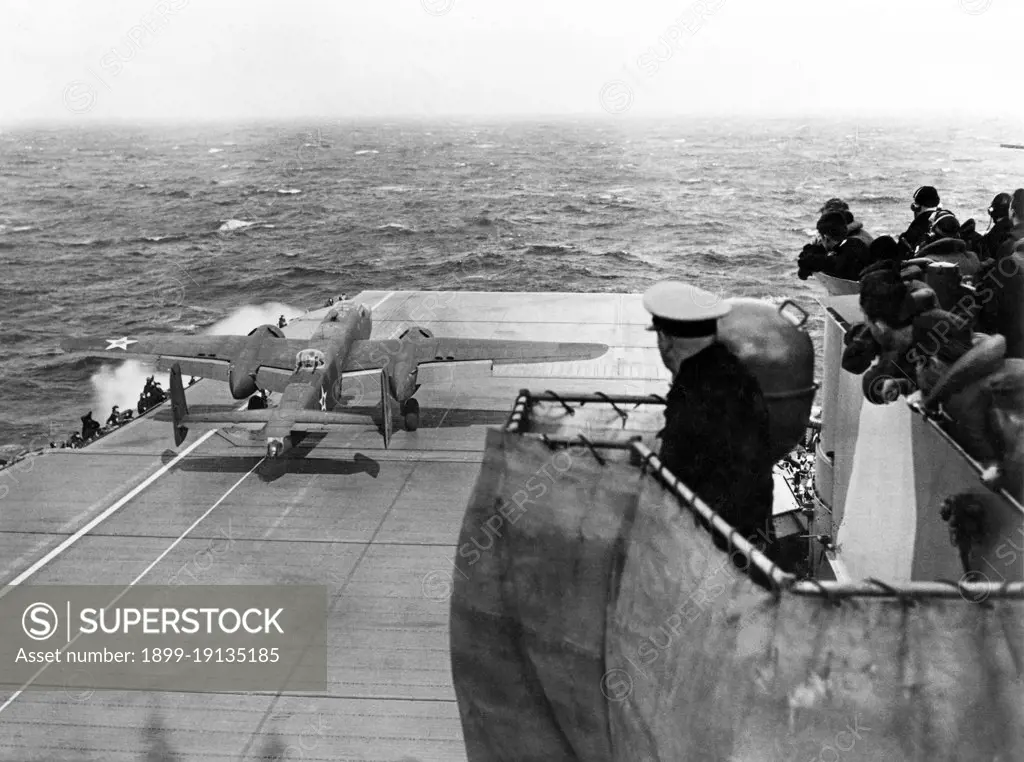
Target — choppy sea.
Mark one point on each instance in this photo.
(124, 230)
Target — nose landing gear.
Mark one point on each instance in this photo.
(258, 401)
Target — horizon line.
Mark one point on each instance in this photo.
(852, 117)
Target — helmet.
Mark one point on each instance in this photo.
(780, 355)
(1000, 206)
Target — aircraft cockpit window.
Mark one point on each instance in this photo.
(309, 359)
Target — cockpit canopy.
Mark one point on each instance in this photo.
(309, 359)
(344, 308)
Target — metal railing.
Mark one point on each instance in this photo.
(779, 580)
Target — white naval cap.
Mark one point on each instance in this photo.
(680, 309)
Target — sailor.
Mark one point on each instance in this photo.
(1016, 232)
(834, 205)
(837, 253)
(281, 322)
(924, 206)
(716, 435)
(1001, 297)
(114, 418)
(89, 426)
(999, 213)
(151, 395)
(854, 228)
(944, 243)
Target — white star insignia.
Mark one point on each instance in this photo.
(323, 400)
(121, 343)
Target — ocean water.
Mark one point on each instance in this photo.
(126, 230)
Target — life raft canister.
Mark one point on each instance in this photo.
(775, 348)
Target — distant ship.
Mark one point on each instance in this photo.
(1011, 145)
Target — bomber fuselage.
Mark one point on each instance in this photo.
(315, 383)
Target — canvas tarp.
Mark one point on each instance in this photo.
(529, 602)
(603, 624)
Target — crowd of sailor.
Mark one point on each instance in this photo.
(843, 248)
(151, 396)
(943, 325)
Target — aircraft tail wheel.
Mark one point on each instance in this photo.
(411, 413)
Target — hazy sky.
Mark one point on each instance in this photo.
(244, 59)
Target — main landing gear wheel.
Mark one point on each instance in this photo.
(411, 413)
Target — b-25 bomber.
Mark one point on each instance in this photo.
(308, 372)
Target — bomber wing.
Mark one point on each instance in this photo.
(203, 356)
(374, 353)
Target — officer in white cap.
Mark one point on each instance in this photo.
(716, 435)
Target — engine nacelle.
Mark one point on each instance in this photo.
(242, 373)
(402, 379)
(267, 329)
(241, 383)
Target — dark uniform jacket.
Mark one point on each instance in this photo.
(914, 236)
(1000, 292)
(1013, 236)
(845, 261)
(969, 235)
(952, 250)
(856, 230)
(994, 238)
(716, 439)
